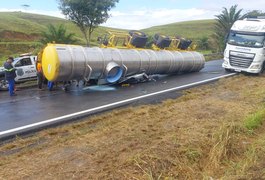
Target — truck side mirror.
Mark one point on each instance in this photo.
(226, 38)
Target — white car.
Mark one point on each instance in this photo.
(26, 70)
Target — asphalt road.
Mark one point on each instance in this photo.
(33, 108)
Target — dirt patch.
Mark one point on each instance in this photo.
(11, 36)
(199, 135)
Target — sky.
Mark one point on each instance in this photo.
(140, 14)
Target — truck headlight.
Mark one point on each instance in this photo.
(225, 63)
(255, 66)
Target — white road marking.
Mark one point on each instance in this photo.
(75, 115)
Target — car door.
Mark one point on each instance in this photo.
(32, 73)
(25, 69)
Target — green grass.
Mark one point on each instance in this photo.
(255, 120)
(189, 29)
(15, 48)
(18, 43)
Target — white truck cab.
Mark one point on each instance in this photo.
(245, 47)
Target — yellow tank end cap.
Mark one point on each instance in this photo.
(50, 62)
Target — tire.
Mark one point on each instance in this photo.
(4, 85)
(228, 70)
(263, 68)
(161, 41)
(139, 39)
(184, 44)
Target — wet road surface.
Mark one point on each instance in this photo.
(33, 108)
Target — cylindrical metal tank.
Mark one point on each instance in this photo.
(68, 62)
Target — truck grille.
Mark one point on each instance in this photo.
(242, 60)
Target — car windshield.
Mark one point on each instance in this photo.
(248, 40)
(16, 60)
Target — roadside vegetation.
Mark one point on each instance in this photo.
(57, 35)
(215, 131)
(225, 20)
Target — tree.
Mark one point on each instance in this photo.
(57, 35)
(225, 20)
(203, 43)
(87, 14)
(255, 13)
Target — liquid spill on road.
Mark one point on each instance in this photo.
(99, 88)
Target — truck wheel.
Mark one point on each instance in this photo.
(139, 38)
(263, 68)
(4, 85)
(161, 41)
(228, 70)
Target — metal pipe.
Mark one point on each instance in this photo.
(68, 62)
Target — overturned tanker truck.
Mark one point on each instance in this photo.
(111, 64)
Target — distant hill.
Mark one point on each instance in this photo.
(20, 32)
(19, 26)
(189, 29)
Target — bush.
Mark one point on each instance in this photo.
(255, 120)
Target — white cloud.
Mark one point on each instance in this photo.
(246, 5)
(153, 17)
(49, 13)
(146, 17)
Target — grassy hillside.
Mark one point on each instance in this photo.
(33, 24)
(20, 32)
(188, 29)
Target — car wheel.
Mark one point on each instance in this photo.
(4, 85)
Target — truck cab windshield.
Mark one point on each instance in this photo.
(247, 40)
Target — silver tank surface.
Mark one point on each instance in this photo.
(69, 62)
